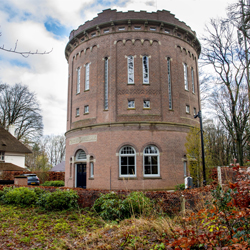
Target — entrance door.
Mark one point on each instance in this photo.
(81, 175)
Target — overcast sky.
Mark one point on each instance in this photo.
(46, 24)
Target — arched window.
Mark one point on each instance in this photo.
(127, 162)
(81, 155)
(151, 161)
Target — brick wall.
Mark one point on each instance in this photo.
(118, 126)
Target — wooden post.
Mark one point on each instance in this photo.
(219, 176)
(183, 201)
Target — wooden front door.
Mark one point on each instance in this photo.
(81, 175)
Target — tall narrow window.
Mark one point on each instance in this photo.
(127, 162)
(145, 69)
(91, 166)
(169, 86)
(185, 168)
(87, 76)
(1, 156)
(151, 164)
(185, 76)
(78, 80)
(130, 69)
(192, 75)
(106, 83)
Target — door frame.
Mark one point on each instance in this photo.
(80, 162)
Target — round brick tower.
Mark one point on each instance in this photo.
(133, 89)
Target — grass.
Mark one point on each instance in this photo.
(30, 228)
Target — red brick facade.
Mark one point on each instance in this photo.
(103, 128)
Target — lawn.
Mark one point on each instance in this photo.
(32, 228)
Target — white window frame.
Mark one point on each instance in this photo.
(127, 155)
(185, 69)
(131, 67)
(131, 104)
(187, 109)
(87, 68)
(158, 161)
(78, 80)
(86, 109)
(194, 111)
(145, 67)
(106, 93)
(146, 104)
(192, 75)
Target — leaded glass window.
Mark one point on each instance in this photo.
(87, 76)
(192, 75)
(78, 80)
(106, 84)
(145, 66)
(185, 76)
(130, 69)
(81, 155)
(169, 86)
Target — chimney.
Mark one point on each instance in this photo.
(12, 129)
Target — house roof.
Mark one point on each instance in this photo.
(8, 143)
(59, 167)
(10, 167)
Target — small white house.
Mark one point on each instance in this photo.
(11, 150)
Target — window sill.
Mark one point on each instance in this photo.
(86, 90)
(187, 113)
(78, 93)
(86, 113)
(131, 83)
(147, 108)
(91, 178)
(146, 83)
(171, 110)
(128, 178)
(105, 110)
(152, 177)
(77, 115)
(131, 108)
(187, 90)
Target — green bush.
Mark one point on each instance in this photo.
(110, 206)
(22, 196)
(53, 184)
(137, 204)
(58, 200)
(179, 187)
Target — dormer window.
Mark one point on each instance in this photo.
(137, 27)
(153, 28)
(121, 28)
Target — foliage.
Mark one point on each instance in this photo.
(59, 200)
(194, 156)
(179, 187)
(111, 206)
(19, 106)
(20, 196)
(53, 183)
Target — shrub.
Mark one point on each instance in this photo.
(53, 183)
(179, 187)
(137, 204)
(113, 207)
(22, 196)
(109, 206)
(58, 200)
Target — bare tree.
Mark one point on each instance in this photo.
(229, 98)
(19, 106)
(54, 146)
(23, 53)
